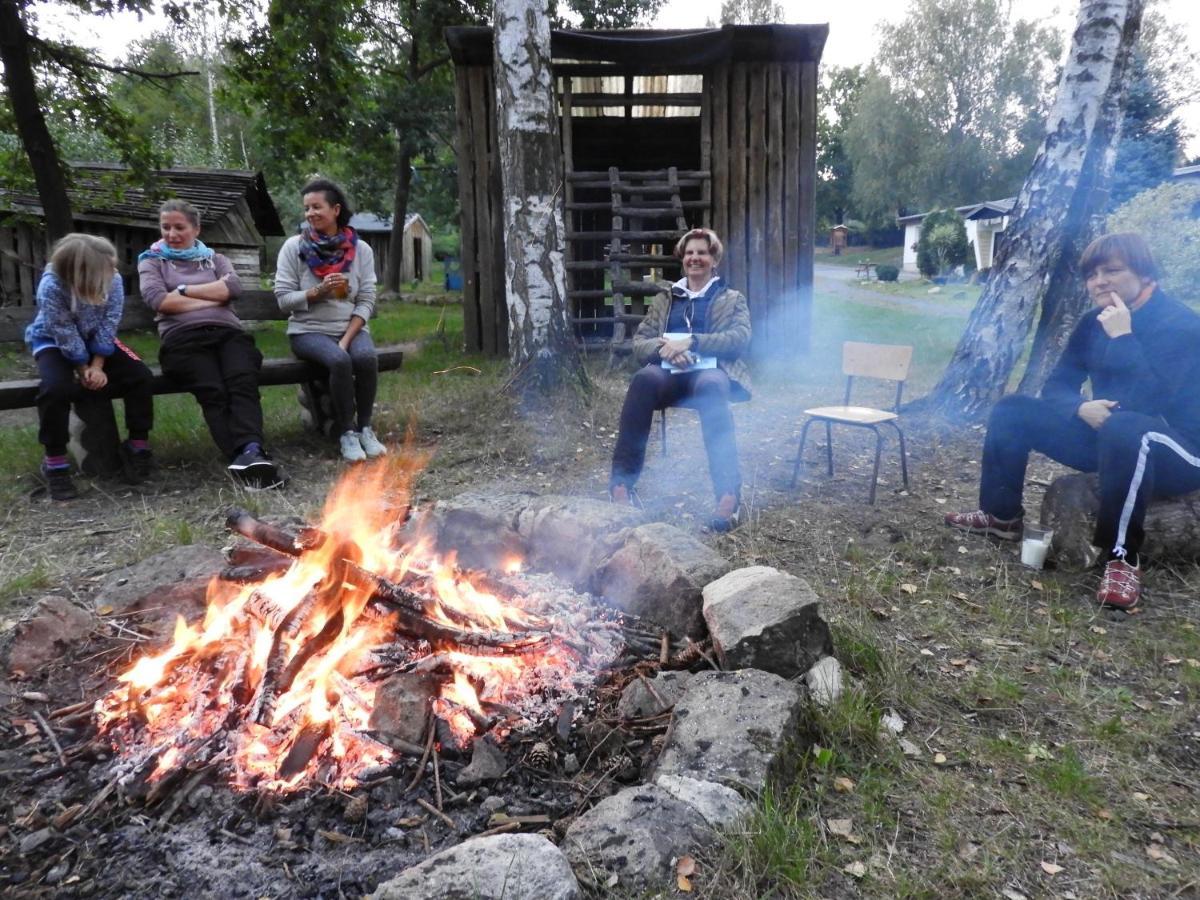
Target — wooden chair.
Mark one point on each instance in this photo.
(885, 362)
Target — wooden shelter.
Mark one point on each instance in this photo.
(416, 262)
(661, 131)
(236, 213)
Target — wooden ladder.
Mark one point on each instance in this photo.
(648, 216)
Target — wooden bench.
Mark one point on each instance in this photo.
(251, 306)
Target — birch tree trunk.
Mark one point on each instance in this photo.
(1056, 215)
(541, 348)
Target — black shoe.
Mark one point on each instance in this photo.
(59, 483)
(256, 472)
(137, 464)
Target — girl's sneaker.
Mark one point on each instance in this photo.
(352, 449)
(371, 445)
(59, 483)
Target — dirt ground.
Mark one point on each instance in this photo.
(1047, 749)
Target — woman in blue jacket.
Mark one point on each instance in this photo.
(74, 342)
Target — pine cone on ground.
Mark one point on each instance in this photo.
(541, 756)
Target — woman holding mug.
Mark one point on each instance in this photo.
(325, 279)
(690, 345)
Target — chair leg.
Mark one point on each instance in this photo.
(903, 455)
(662, 431)
(875, 473)
(829, 447)
(800, 454)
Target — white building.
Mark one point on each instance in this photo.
(983, 220)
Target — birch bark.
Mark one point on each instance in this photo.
(540, 343)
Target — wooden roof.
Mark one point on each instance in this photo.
(98, 195)
(647, 50)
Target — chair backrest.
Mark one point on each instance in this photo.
(887, 362)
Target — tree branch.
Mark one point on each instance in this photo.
(75, 59)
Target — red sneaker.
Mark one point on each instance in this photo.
(979, 522)
(1121, 586)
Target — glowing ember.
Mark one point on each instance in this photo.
(277, 685)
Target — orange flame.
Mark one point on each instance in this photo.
(215, 683)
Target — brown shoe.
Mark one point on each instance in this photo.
(979, 522)
(1121, 586)
(728, 514)
(624, 495)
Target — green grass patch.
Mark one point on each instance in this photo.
(855, 256)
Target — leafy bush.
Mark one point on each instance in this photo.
(1168, 217)
(885, 272)
(942, 244)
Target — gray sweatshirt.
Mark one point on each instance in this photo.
(159, 277)
(329, 316)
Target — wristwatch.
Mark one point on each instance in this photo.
(181, 290)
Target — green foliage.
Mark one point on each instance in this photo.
(1169, 217)
(953, 107)
(942, 244)
(750, 12)
(838, 94)
(887, 272)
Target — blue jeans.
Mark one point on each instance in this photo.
(353, 376)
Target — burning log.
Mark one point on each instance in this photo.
(242, 522)
(288, 627)
(307, 741)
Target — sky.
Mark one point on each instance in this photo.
(852, 29)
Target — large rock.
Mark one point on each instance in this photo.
(761, 618)
(658, 574)
(721, 807)
(641, 698)
(731, 728)
(569, 536)
(501, 867)
(164, 586)
(46, 634)
(635, 835)
(480, 525)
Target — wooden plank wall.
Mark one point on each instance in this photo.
(23, 255)
(763, 167)
(485, 321)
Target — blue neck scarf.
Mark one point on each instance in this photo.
(160, 250)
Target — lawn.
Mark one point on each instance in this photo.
(853, 256)
(1047, 750)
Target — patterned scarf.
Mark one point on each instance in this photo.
(326, 254)
(160, 250)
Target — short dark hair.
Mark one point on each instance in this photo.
(334, 195)
(1126, 247)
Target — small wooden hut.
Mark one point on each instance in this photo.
(661, 131)
(236, 214)
(416, 263)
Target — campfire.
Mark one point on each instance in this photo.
(343, 649)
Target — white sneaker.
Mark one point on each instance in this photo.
(352, 450)
(370, 443)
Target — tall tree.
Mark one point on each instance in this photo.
(541, 346)
(371, 83)
(838, 95)
(969, 81)
(1055, 215)
(1165, 74)
(750, 12)
(23, 52)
